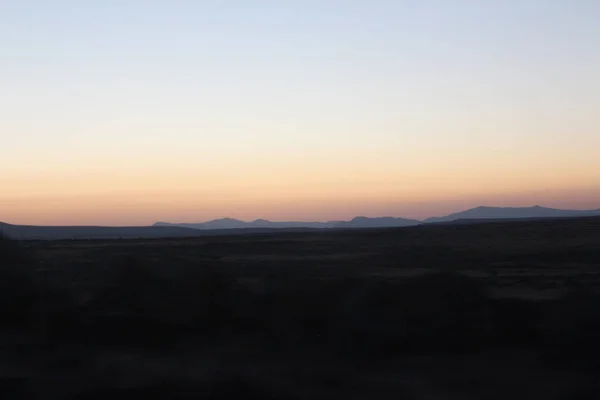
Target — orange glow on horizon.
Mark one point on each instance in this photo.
(148, 208)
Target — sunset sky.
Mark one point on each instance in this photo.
(120, 112)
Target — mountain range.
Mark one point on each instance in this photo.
(33, 232)
(225, 226)
(477, 213)
(499, 213)
(358, 222)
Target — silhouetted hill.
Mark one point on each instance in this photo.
(224, 223)
(358, 222)
(92, 232)
(381, 222)
(263, 223)
(229, 223)
(487, 213)
(226, 226)
(30, 232)
(482, 214)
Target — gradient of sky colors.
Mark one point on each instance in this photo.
(122, 112)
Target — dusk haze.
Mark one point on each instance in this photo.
(130, 112)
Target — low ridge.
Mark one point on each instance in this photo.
(231, 225)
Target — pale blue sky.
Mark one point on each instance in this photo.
(341, 94)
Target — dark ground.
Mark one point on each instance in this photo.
(485, 311)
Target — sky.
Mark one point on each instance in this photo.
(127, 112)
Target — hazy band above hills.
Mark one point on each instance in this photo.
(229, 226)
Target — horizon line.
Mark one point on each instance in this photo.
(296, 221)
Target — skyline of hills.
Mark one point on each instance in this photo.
(356, 222)
(225, 226)
(476, 213)
(485, 212)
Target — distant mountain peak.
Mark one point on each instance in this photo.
(356, 222)
(537, 211)
(226, 219)
(378, 222)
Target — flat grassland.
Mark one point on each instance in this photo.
(532, 258)
(466, 311)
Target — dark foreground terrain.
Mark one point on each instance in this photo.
(505, 310)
